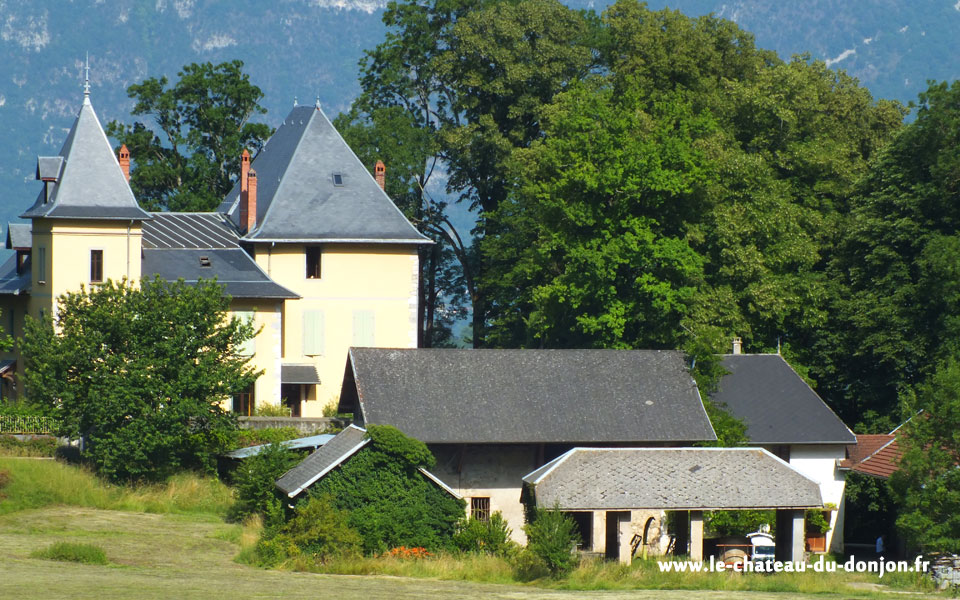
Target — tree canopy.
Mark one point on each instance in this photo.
(188, 157)
(141, 373)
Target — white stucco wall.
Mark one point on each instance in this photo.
(819, 463)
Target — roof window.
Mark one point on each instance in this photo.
(338, 179)
(204, 261)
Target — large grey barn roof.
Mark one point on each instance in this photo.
(776, 404)
(671, 478)
(297, 199)
(521, 396)
(90, 184)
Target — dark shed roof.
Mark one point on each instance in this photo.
(231, 267)
(323, 460)
(526, 396)
(671, 478)
(298, 198)
(12, 283)
(300, 373)
(776, 404)
(89, 183)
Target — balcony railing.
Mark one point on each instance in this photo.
(19, 424)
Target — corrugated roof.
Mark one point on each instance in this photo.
(303, 374)
(19, 236)
(312, 441)
(189, 230)
(298, 199)
(526, 396)
(671, 478)
(91, 184)
(776, 404)
(10, 282)
(323, 460)
(231, 267)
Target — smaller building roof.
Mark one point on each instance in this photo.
(874, 454)
(312, 441)
(326, 458)
(19, 236)
(11, 282)
(231, 267)
(671, 479)
(302, 374)
(776, 404)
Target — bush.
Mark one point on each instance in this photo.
(269, 435)
(317, 532)
(487, 537)
(552, 536)
(70, 552)
(527, 566)
(255, 481)
(390, 502)
(38, 446)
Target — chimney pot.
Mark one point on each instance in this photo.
(244, 170)
(380, 172)
(737, 345)
(123, 157)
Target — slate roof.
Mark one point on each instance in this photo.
(776, 404)
(19, 236)
(326, 458)
(291, 373)
(297, 199)
(671, 478)
(174, 245)
(526, 396)
(189, 230)
(231, 267)
(91, 184)
(11, 283)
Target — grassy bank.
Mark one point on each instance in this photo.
(38, 483)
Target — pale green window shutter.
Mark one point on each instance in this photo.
(249, 347)
(363, 328)
(312, 332)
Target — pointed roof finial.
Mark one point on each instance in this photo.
(318, 102)
(86, 81)
(294, 100)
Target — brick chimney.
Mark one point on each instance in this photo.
(123, 157)
(244, 169)
(248, 203)
(737, 345)
(380, 172)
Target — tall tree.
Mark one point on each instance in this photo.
(141, 373)
(188, 157)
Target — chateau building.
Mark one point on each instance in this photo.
(307, 245)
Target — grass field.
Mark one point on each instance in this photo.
(181, 551)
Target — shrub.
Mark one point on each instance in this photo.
(255, 481)
(390, 502)
(318, 532)
(71, 552)
(272, 410)
(489, 537)
(527, 566)
(38, 446)
(552, 536)
(268, 435)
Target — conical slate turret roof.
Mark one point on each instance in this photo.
(89, 184)
(313, 188)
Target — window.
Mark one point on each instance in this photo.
(480, 509)
(96, 266)
(312, 332)
(41, 265)
(338, 179)
(313, 263)
(243, 403)
(363, 328)
(249, 347)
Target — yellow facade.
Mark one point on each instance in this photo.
(72, 242)
(264, 349)
(366, 295)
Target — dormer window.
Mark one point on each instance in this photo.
(338, 179)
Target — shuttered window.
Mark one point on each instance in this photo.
(363, 328)
(249, 347)
(312, 332)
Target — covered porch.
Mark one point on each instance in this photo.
(623, 494)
